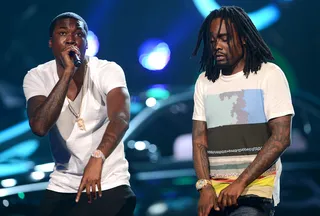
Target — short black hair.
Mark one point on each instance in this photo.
(63, 16)
(257, 52)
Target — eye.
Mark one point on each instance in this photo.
(224, 38)
(62, 33)
(79, 34)
(212, 41)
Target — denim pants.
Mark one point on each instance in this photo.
(249, 205)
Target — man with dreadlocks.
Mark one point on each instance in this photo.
(241, 120)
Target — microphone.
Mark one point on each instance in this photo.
(76, 60)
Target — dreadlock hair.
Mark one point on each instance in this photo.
(235, 18)
(66, 15)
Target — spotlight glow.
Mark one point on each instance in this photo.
(48, 167)
(8, 182)
(140, 145)
(262, 18)
(93, 44)
(38, 175)
(154, 55)
(151, 102)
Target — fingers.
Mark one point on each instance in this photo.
(215, 204)
(225, 200)
(88, 192)
(81, 187)
(70, 48)
(208, 210)
(65, 55)
(94, 191)
(99, 188)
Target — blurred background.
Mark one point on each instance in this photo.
(153, 42)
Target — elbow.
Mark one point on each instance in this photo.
(38, 129)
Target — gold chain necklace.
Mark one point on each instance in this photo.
(79, 120)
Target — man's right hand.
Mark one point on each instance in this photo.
(67, 60)
(208, 200)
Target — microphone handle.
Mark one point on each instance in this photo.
(76, 60)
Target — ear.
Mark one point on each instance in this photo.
(50, 43)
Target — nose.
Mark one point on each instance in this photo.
(216, 45)
(70, 40)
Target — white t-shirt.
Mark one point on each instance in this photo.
(237, 110)
(71, 147)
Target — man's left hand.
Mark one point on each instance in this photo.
(91, 179)
(230, 194)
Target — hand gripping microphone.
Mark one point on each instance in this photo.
(75, 58)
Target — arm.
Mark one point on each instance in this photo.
(118, 102)
(200, 145)
(118, 105)
(43, 111)
(208, 197)
(279, 140)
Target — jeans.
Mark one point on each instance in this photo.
(249, 205)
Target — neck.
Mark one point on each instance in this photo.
(237, 67)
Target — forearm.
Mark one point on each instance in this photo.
(201, 161)
(200, 145)
(271, 150)
(266, 157)
(48, 112)
(113, 135)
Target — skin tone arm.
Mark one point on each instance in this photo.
(43, 111)
(279, 140)
(208, 197)
(119, 116)
(200, 145)
(118, 102)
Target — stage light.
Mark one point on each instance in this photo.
(37, 175)
(5, 203)
(21, 195)
(93, 44)
(262, 18)
(158, 92)
(154, 55)
(8, 182)
(140, 145)
(158, 208)
(48, 167)
(151, 102)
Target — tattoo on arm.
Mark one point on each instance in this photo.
(113, 135)
(200, 146)
(44, 112)
(271, 150)
(118, 101)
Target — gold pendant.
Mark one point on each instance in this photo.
(80, 123)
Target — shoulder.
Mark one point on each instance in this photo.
(41, 70)
(269, 67)
(202, 77)
(102, 66)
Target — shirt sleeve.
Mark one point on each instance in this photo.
(33, 85)
(276, 92)
(198, 98)
(111, 76)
